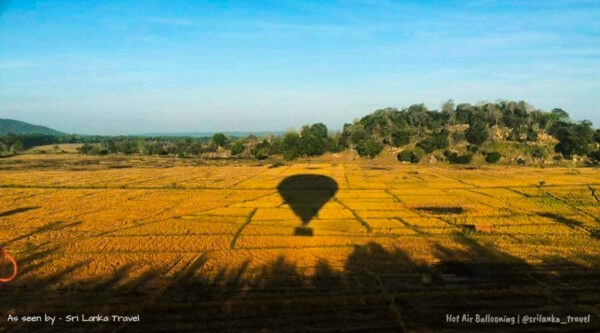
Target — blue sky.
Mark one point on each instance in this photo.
(124, 67)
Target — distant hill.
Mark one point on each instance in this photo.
(8, 126)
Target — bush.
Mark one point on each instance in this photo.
(436, 141)
(454, 158)
(477, 133)
(290, 145)
(573, 138)
(261, 151)
(311, 145)
(408, 156)
(369, 147)
(237, 148)
(219, 139)
(538, 152)
(427, 144)
(532, 135)
(595, 156)
(493, 157)
(358, 135)
(473, 149)
(458, 137)
(401, 138)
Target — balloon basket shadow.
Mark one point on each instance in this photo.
(303, 231)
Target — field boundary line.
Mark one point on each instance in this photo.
(593, 190)
(241, 228)
(568, 204)
(210, 188)
(360, 219)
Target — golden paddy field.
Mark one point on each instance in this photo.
(216, 248)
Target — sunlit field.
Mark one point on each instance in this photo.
(385, 247)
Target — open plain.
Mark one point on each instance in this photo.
(349, 246)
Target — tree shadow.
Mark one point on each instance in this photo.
(376, 289)
(441, 210)
(562, 220)
(17, 211)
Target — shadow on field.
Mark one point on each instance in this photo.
(17, 211)
(441, 210)
(306, 194)
(562, 220)
(52, 226)
(376, 289)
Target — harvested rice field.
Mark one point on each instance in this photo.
(299, 247)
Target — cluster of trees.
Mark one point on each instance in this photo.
(434, 130)
(13, 143)
(419, 131)
(576, 139)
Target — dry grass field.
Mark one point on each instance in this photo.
(219, 247)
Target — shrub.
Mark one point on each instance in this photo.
(290, 145)
(458, 137)
(237, 148)
(538, 152)
(427, 145)
(408, 156)
(595, 156)
(261, 151)
(358, 134)
(573, 138)
(473, 149)
(477, 133)
(454, 158)
(438, 140)
(401, 138)
(493, 157)
(369, 147)
(311, 145)
(532, 135)
(219, 139)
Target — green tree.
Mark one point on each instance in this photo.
(408, 155)
(17, 146)
(559, 115)
(401, 138)
(311, 145)
(455, 158)
(319, 130)
(573, 138)
(477, 133)
(493, 157)
(358, 134)
(261, 151)
(449, 111)
(291, 145)
(219, 139)
(369, 148)
(532, 135)
(237, 148)
(597, 136)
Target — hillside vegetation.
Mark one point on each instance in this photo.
(9, 126)
(506, 132)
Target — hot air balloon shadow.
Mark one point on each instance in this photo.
(306, 194)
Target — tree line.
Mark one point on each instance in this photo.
(455, 133)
